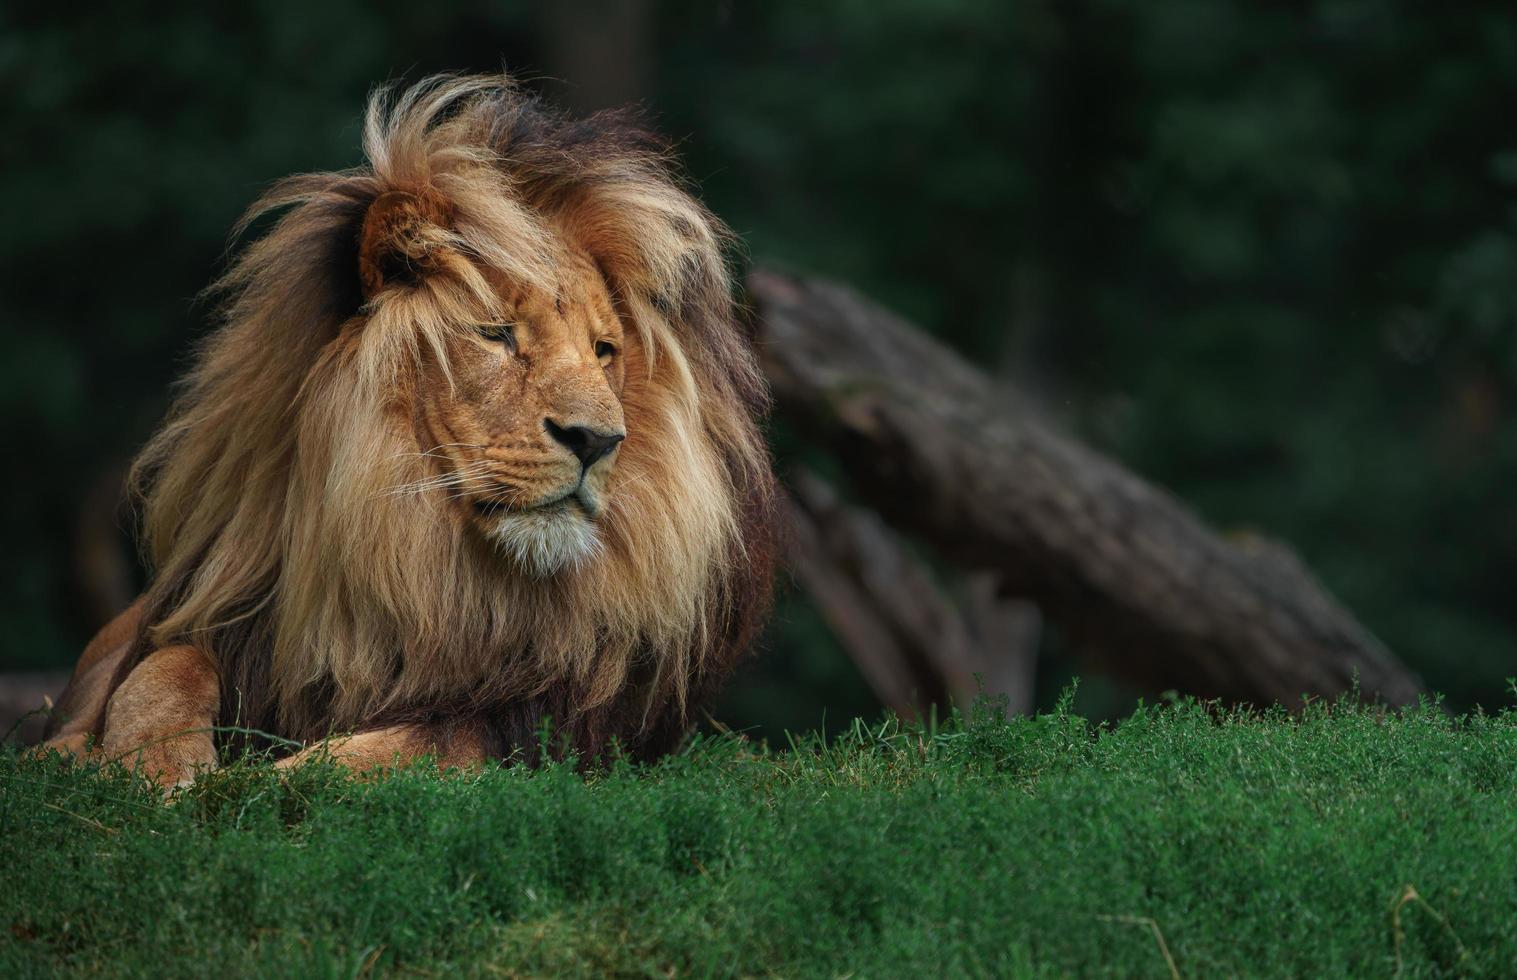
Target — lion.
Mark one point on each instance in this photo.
(473, 454)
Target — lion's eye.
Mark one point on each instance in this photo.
(605, 350)
(501, 333)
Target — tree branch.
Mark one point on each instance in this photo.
(913, 644)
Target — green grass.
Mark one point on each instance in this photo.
(1339, 842)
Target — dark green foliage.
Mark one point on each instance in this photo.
(1255, 845)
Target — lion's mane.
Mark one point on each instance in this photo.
(330, 602)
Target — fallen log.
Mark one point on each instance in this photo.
(1135, 582)
(913, 644)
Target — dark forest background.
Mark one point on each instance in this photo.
(1264, 254)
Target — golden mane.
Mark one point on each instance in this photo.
(287, 516)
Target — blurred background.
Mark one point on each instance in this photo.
(1263, 254)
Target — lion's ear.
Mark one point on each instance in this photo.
(401, 233)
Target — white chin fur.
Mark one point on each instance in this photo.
(546, 542)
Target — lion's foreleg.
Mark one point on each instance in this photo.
(396, 746)
(80, 711)
(159, 720)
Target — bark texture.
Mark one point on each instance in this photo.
(1133, 579)
(913, 643)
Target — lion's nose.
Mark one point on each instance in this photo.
(584, 442)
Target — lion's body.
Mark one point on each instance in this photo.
(362, 513)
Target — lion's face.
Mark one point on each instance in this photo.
(526, 432)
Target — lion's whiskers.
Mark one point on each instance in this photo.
(631, 481)
(443, 481)
(433, 452)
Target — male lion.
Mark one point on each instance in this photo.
(475, 447)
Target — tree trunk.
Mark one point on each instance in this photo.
(1138, 584)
